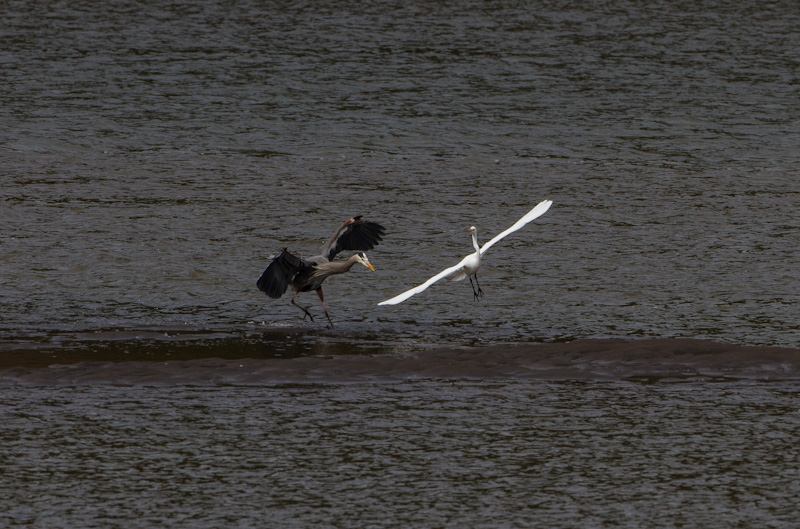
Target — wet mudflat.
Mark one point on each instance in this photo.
(590, 360)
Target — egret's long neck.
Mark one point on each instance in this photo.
(475, 240)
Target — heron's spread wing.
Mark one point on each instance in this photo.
(537, 211)
(354, 234)
(279, 274)
(419, 288)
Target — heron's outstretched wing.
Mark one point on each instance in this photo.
(419, 288)
(537, 211)
(279, 274)
(354, 234)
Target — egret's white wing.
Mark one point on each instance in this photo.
(537, 211)
(419, 288)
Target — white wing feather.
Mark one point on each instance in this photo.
(537, 211)
(419, 288)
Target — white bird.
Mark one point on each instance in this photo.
(469, 265)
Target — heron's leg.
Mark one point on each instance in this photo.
(305, 310)
(324, 308)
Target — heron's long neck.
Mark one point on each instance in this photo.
(475, 240)
(347, 265)
(329, 268)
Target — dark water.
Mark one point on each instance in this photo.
(153, 156)
(423, 454)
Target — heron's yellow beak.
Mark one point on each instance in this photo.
(366, 262)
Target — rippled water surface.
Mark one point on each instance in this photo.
(155, 155)
(418, 454)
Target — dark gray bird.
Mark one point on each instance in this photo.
(305, 275)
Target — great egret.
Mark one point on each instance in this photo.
(469, 265)
(305, 275)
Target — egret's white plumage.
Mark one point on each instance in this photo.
(469, 265)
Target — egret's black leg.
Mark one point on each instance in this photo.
(305, 310)
(480, 290)
(324, 308)
(476, 293)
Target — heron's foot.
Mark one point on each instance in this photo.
(306, 313)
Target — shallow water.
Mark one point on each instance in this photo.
(591, 433)
(427, 454)
(154, 157)
(154, 160)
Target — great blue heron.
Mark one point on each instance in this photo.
(469, 265)
(305, 275)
